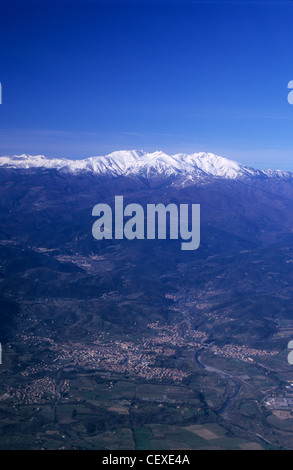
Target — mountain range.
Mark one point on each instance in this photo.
(147, 306)
(141, 163)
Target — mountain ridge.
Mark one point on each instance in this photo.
(147, 164)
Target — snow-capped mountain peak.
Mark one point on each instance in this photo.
(139, 162)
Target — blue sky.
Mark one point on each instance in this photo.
(88, 78)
